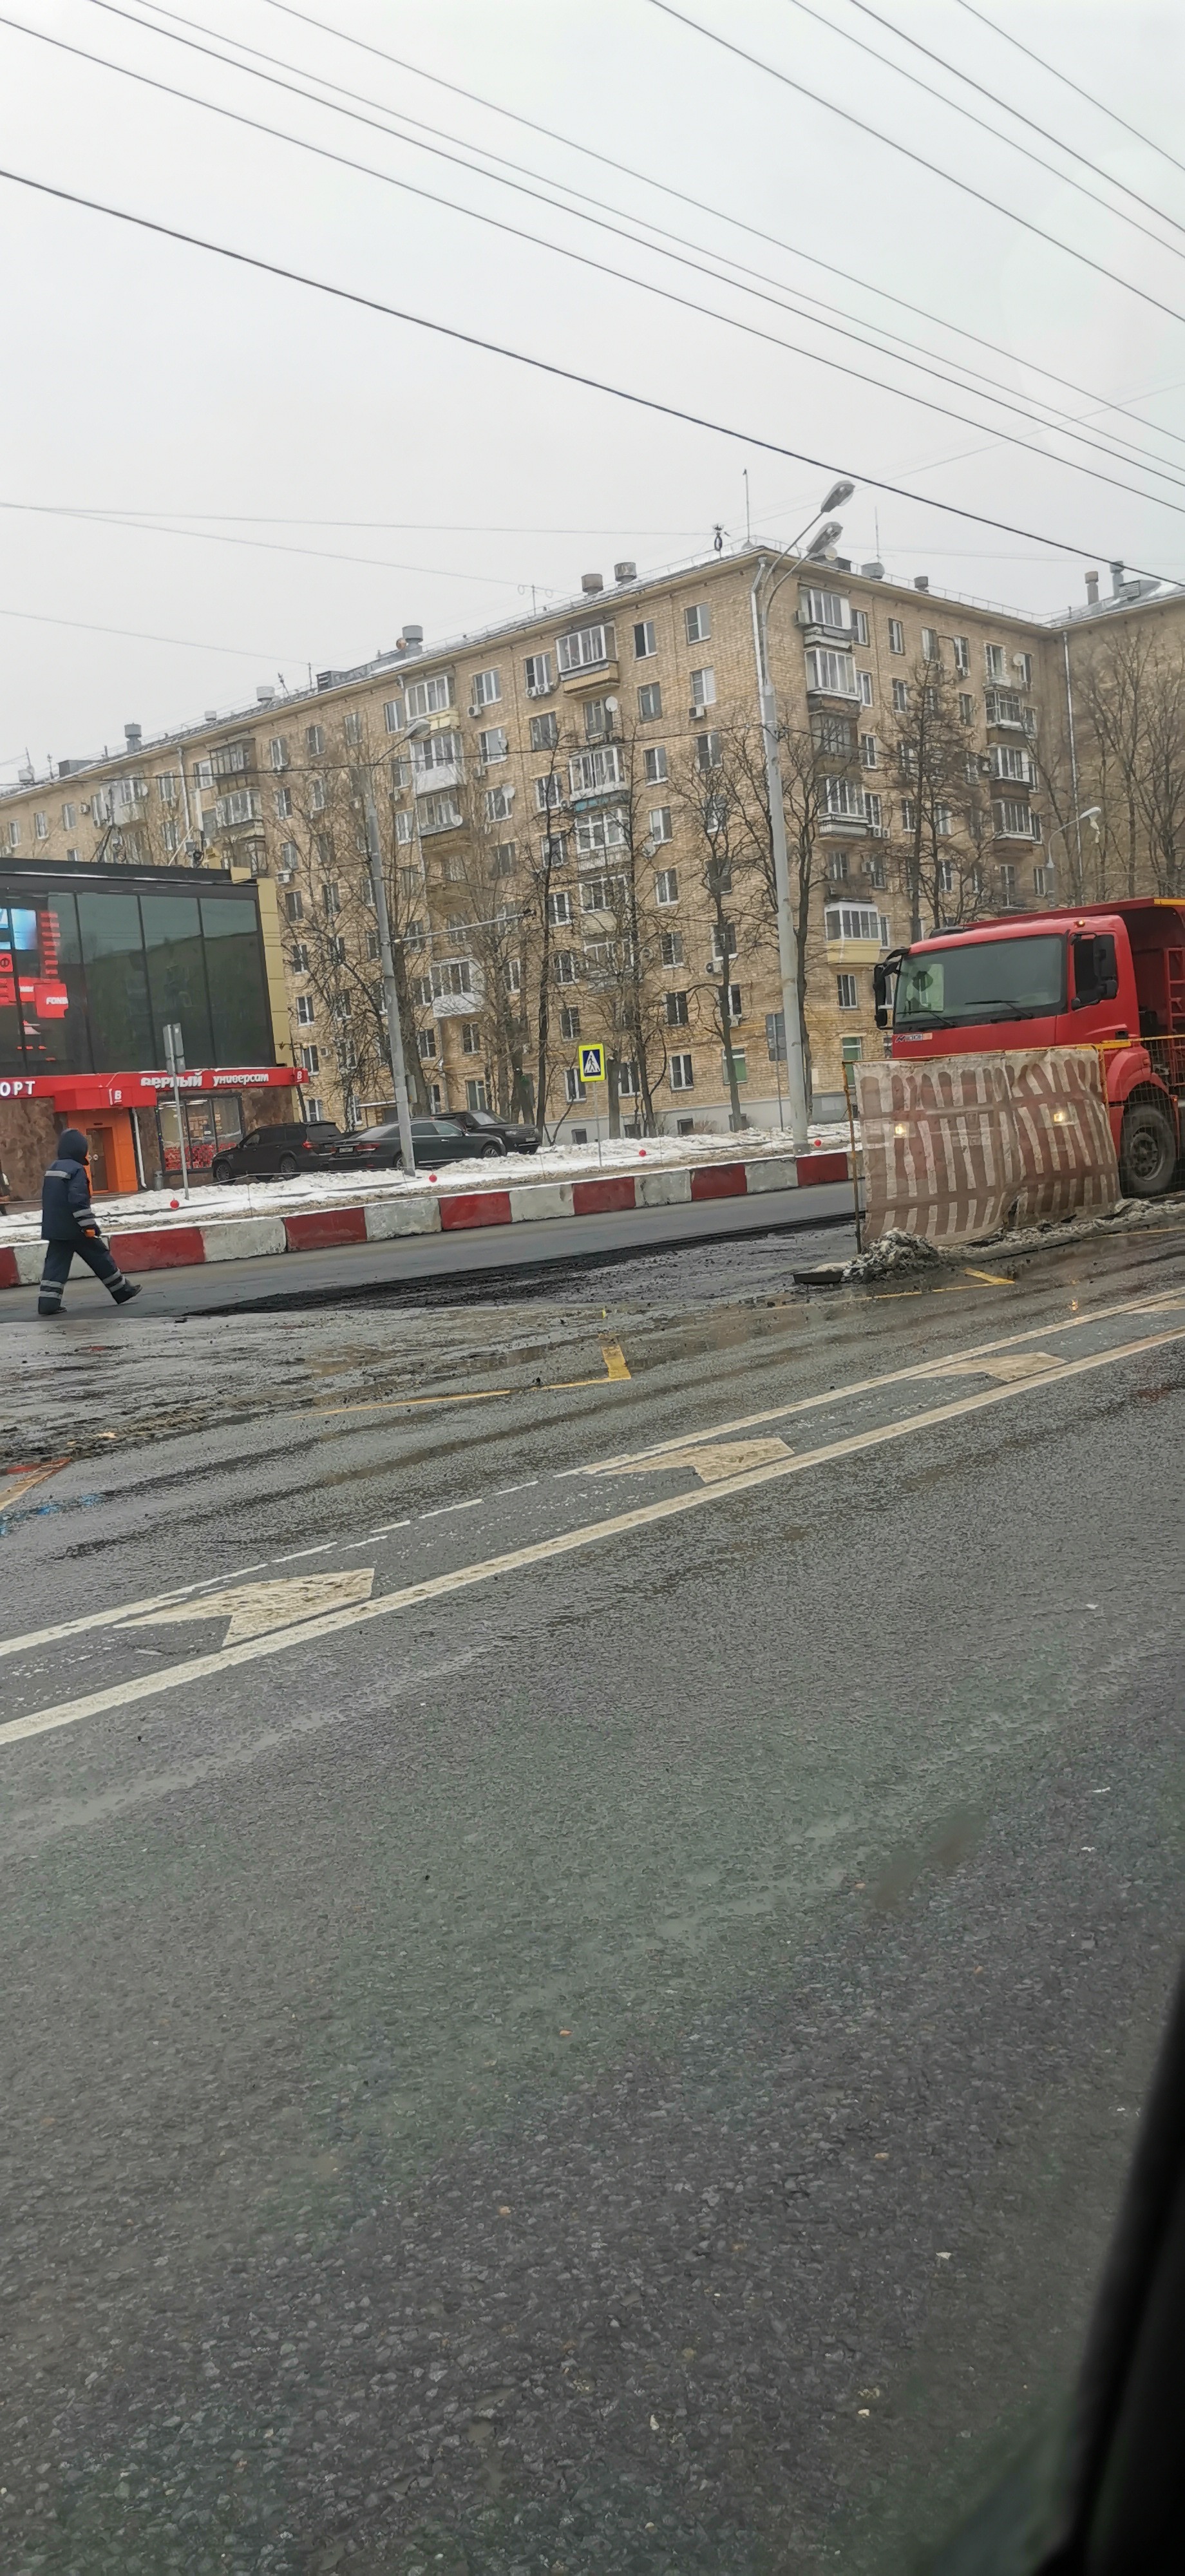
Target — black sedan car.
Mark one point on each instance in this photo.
(281, 1153)
(436, 1140)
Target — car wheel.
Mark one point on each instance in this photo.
(493, 1149)
(222, 1173)
(286, 1167)
(1147, 1151)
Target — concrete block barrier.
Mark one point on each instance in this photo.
(380, 1220)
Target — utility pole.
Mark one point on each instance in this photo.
(390, 989)
(796, 1099)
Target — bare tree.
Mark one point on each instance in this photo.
(945, 822)
(625, 916)
(714, 788)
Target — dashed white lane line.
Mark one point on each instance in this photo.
(528, 1481)
(438, 1510)
(565, 1543)
(322, 1549)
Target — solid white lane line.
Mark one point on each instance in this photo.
(563, 1543)
(111, 1618)
(1158, 1303)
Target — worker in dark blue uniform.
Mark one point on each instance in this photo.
(69, 1225)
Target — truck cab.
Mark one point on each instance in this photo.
(1109, 976)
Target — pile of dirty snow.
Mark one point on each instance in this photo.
(895, 1251)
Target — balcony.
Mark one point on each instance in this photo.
(855, 934)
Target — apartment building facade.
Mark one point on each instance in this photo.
(575, 836)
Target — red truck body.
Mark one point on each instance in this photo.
(1110, 976)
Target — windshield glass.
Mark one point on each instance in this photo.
(985, 979)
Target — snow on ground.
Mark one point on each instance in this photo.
(355, 1185)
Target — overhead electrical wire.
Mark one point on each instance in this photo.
(966, 187)
(266, 545)
(1007, 38)
(646, 286)
(982, 91)
(186, 643)
(959, 330)
(551, 367)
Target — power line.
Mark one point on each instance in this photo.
(644, 178)
(1006, 38)
(982, 91)
(267, 545)
(186, 643)
(552, 367)
(980, 195)
(622, 276)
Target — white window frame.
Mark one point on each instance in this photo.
(431, 697)
(697, 623)
(703, 688)
(646, 628)
(485, 688)
(681, 1073)
(654, 763)
(666, 887)
(847, 993)
(584, 648)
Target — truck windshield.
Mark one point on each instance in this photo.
(982, 979)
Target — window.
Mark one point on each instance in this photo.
(277, 751)
(851, 921)
(900, 697)
(559, 910)
(438, 751)
(310, 1059)
(304, 1010)
(40, 828)
(288, 857)
(314, 739)
(872, 810)
(734, 1004)
(70, 815)
(294, 904)
(316, 795)
(1007, 760)
(549, 792)
(942, 821)
(169, 833)
(909, 813)
(426, 1043)
(666, 886)
(868, 751)
(944, 876)
(896, 635)
(393, 715)
(864, 687)
(1028, 717)
(373, 946)
(834, 674)
(655, 764)
(502, 863)
(404, 828)
(421, 992)
(703, 689)
(413, 936)
(676, 1004)
(993, 656)
(726, 931)
(929, 644)
(438, 813)
(499, 801)
(584, 647)
(966, 708)
(453, 871)
(353, 728)
(645, 640)
(649, 702)
(314, 1109)
(573, 1084)
(740, 1065)
(874, 870)
(603, 894)
(491, 745)
(682, 1073)
(833, 735)
(1023, 665)
(485, 688)
(826, 608)
(593, 770)
(545, 731)
(14, 836)
(859, 626)
(1008, 884)
(671, 948)
(453, 977)
(846, 993)
(565, 966)
(1043, 881)
(1014, 820)
(843, 799)
(598, 721)
(538, 674)
(282, 800)
(331, 901)
(697, 625)
(962, 654)
(471, 1042)
(569, 1021)
(837, 868)
(475, 1094)
(596, 832)
(336, 948)
(553, 850)
(431, 697)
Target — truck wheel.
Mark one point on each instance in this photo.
(1147, 1151)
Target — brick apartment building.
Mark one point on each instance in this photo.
(574, 836)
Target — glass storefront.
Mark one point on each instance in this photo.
(92, 970)
(210, 1122)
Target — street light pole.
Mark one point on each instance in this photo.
(796, 1095)
(374, 854)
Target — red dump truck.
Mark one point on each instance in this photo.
(1106, 975)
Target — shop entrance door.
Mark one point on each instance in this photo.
(112, 1153)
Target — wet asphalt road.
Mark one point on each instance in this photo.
(623, 2064)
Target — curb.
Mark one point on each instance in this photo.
(251, 1238)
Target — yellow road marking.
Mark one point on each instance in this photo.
(23, 1481)
(615, 1370)
(992, 1277)
(563, 1543)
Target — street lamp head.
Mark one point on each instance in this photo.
(839, 493)
(827, 534)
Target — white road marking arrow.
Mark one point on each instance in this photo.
(253, 1608)
(711, 1461)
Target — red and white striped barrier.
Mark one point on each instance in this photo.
(253, 1238)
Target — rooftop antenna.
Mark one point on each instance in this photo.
(718, 540)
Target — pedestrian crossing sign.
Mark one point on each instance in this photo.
(592, 1064)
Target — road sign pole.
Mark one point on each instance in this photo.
(175, 1064)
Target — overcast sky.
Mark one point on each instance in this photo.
(370, 472)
